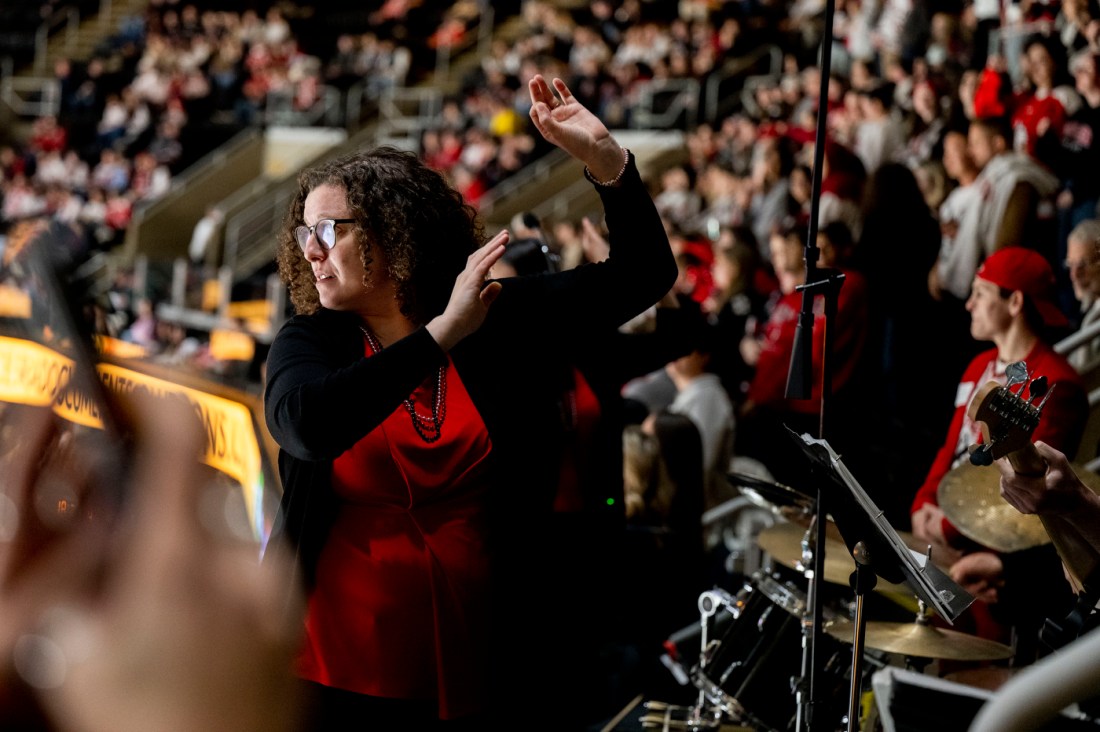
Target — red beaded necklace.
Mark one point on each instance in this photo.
(430, 428)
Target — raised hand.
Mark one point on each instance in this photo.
(471, 296)
(567, 123)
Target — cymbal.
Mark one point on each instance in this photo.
(970, 496)
(783, 542)
(778, 498)
(923, 640)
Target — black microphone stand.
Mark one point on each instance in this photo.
(825, 282)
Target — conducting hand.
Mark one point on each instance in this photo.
(567, 123)
(471, 297)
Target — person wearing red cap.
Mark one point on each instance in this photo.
(1011, 304)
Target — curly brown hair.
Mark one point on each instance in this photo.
(423, 226)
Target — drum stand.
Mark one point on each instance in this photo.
(862, 581)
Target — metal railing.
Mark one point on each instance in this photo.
(405, 112)
(734, 69)
(202, 167)
(663, 102)
(254, 225)
(445, 53)
(69, 18)
(26, 96)
(280, 109)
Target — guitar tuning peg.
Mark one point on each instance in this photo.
(1016, 373)
(1037, 388)
(981, 455)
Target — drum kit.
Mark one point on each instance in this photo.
(750, 667)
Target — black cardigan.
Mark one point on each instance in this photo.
(322, 396)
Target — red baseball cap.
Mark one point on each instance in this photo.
(1023, 269)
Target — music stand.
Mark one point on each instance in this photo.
(874, 544)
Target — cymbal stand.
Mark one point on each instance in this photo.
(812, 564)
(862, 581)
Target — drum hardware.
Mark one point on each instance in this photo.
(864, 523)
(863, 581)
(789, 544)
(923, 640)
(782, 500)
(756, 657)
(663, 716)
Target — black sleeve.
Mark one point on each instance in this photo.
(322, 396)
(600, 296)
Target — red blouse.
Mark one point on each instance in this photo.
(400, 603)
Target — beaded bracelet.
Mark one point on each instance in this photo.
(614, 181)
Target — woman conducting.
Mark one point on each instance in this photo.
(414, 403)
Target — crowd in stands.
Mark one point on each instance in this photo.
(168, 87)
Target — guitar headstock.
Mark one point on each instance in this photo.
(1008, 418)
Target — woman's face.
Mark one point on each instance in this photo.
(800, 186)
(338, 272)
(925, 102)
(1040, 66)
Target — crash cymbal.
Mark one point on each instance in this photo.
(970, 496)
(922, 640)
(783, 542)
(780, 499)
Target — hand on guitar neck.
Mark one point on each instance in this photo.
(1038, 479)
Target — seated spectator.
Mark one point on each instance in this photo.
(150, 180)
(1074, 157)
(842, 177)
(1083, 263)
(1016, 190)
(677, 201)
(879, 136)
(1042, 108)
(143, 331)
(767, 412)
(112, 172)
(701, 397)
(737, 305)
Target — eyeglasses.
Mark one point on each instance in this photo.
(325, 229)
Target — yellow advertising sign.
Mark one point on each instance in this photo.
(14, 302)
(36, 375)
(231, 345)
(118, 348)
(30, 373)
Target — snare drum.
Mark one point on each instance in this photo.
(751, 672)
